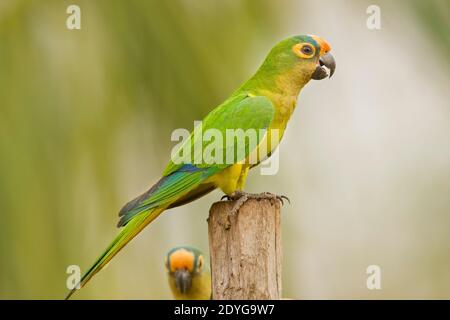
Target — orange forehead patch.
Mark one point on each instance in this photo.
(324, 46)
(181, 259)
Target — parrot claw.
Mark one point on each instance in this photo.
(268, 195)
(241, 197)
(285, 198)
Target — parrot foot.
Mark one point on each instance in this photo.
(241, 197)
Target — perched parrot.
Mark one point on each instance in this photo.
(264, 102)
(189, 277)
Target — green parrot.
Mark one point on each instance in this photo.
(189, 276)
(264, 102)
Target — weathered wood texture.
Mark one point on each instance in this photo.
(245, 250)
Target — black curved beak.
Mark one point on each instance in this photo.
(183, 280)
(325, 62)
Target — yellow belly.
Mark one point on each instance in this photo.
(233, 178)
(230, 179)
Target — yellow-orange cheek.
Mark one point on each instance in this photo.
(182, 259)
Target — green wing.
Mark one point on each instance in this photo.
(179, 180)
(166, 191)
(185, 174)
(242, 111)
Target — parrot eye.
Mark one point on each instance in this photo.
(304, 50)
(166, 262)
(200, 262)
(307, 50)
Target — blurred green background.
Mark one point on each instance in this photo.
(86, 117)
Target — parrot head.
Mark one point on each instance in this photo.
(296, 60)
(183, 264)
(325, 65)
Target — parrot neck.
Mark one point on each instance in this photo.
(281, 88)
(281, 85)
(286, 84)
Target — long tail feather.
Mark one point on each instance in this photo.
(126, 235)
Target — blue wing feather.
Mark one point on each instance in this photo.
(165, 190)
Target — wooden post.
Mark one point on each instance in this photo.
(245, 250)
